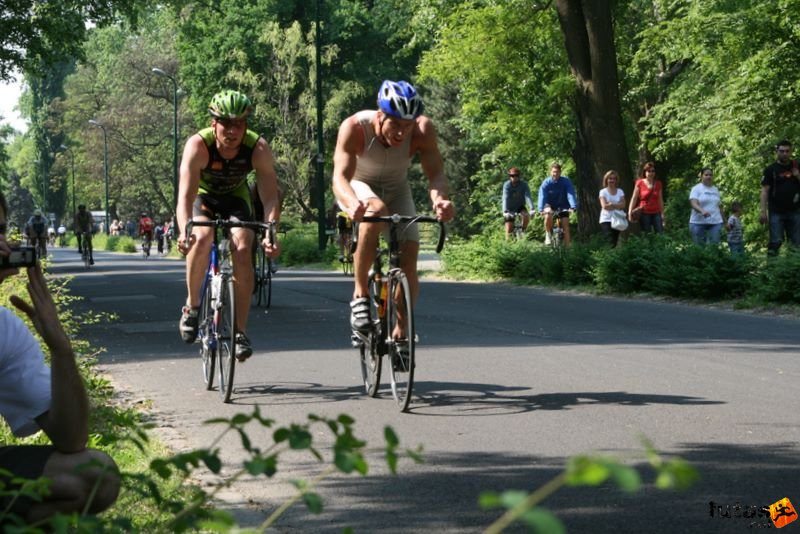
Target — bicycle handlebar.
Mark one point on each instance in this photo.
(397, 219)
(228, 223)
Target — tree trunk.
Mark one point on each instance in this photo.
(588, 31)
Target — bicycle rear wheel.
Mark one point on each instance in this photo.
(401, 351)
(369, 356)
(226, 336)
(207, 335)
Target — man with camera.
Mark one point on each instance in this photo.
(36, 397)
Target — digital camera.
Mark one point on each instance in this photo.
(19, 257)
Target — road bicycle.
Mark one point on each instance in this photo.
(557, 237)
(348, 247)
(264, 267)
(86, 244)
(518, 231)
(217, 317)
(391, 314)
(146, 244)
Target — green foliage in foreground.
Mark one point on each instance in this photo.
(584, 470)
(658, 265)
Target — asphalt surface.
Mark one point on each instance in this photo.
(511, 382)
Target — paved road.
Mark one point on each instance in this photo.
(511, 382)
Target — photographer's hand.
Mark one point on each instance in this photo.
(42, 311)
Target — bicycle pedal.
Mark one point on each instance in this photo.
(357, 340)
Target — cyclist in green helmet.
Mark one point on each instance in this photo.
(213, 182)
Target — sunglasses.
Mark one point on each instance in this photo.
(513, 175)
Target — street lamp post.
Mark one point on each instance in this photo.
(319, 179)
(65, 148)
(159, 72)
(105, 163)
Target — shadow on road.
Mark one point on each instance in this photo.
(731, 474)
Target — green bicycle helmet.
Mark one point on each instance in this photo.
(230, 104)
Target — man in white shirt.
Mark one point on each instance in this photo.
(36, 397)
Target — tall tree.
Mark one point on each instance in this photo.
(599, 129)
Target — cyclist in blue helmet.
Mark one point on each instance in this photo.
(374, 150)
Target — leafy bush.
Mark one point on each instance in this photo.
(299, 248)
(777, 280)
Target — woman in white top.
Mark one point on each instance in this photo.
(705, 223)
(611, 198)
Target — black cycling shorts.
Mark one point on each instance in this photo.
(233, 204)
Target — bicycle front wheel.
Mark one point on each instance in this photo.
(259, 276)
(267, 289)
(400, 318)
(208, 342)
(226, 334)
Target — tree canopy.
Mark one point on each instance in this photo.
(593, 84)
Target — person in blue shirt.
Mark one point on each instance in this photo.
(516, 196)
(556, 196)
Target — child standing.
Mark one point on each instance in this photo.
(734, 227)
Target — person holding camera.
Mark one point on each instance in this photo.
(36, 397)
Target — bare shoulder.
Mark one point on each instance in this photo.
(424, 136)
(351, 136)
(195, 152)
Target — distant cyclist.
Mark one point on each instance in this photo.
(556, 199)
(84, 226)
(36, 230)
(516, 198)
(146, 227)
(344, 231)
(62, 235)
(213, 181)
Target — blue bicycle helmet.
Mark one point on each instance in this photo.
(399, 99)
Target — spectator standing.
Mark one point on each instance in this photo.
(780, 194)
(705, 222)
(611, 198)
(36, 397)
(735, 231)
(647, 201)
(516, 199)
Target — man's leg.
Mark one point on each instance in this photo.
(91, 249)
(793, 223)
(775, 234)
(363, 258)
(548, 226)
(526, 219)
(78, 236)
(565, 229)
(242, 274)
(196, 267)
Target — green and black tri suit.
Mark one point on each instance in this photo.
(223, 188)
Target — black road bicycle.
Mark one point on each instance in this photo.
(391, 311)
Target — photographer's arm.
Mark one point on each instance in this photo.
(67, 421)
